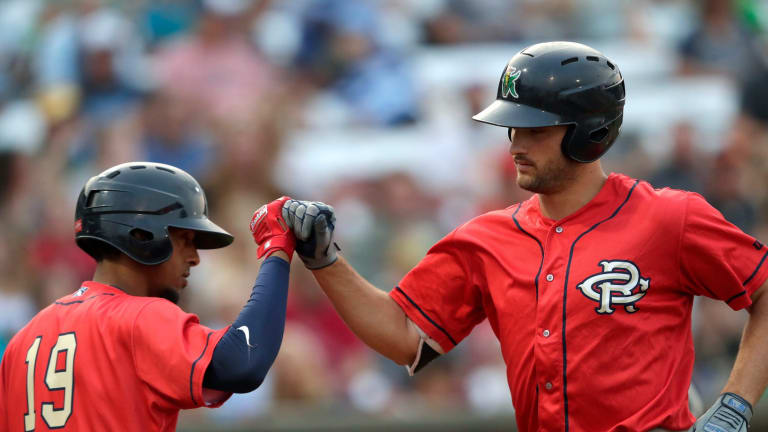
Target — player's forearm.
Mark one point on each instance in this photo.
(749, 376)
(369, 312)
(247, 350)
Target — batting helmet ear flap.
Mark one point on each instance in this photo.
(584, 145)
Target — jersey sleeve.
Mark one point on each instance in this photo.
(171, 351)
(717, 259)
(438, 294)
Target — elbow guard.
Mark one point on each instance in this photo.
(427, 351)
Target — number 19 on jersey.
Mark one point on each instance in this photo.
(59, 376)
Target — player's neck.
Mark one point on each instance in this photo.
(576, 195)
(121, 274)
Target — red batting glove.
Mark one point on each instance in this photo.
(270, 231)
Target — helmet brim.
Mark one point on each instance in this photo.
(208, 234)
(510, 114)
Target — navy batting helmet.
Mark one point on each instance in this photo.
(562, 83)
(131, 206)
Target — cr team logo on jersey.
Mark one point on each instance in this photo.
(620, 283)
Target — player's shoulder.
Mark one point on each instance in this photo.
(108, 306)
(134, 310)
(491, 222)
(127, 314)
(643, 190)
(99, 297)
(157, 312)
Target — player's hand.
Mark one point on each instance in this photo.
(313, 223)
(730, 413)
(270, 231)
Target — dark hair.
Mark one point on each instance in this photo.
(101, 251)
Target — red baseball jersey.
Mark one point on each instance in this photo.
(593, 311)
(101, 359)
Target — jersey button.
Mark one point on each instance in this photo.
(550, 277)
(545, 333)
(548, 386)
(559, 229)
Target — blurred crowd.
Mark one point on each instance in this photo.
(259, 98)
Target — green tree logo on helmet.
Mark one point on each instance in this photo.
(508, 82)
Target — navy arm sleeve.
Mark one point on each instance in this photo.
(247, 350)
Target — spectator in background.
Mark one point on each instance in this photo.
(753, 124)
(754, 92)
(720, 44)
(111, 80)
(6, 166)
(215, 68)
(163, 129)
(250, 144)
(93, 52)
(337, 352)
(717, 334)
(461, 21)
(110, 64)
(18, 21)
(726, 191)
(167, 19)
(681, 171)
(40, 255)
(341, 50)
(17, 302)
(172, 136)
(506, 190)
(89, 74)
(54, 59)
(739, 183)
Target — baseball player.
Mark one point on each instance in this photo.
(588, 285)
(118, 354)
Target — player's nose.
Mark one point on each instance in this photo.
(515, 145)
(194, 258)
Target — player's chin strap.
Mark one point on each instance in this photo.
(730, 413)
(428, 350)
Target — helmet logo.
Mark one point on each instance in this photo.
(78, 225)
(508, 82)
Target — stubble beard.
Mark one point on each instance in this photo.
(170, 294)
(550, 177)
(167, 293)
